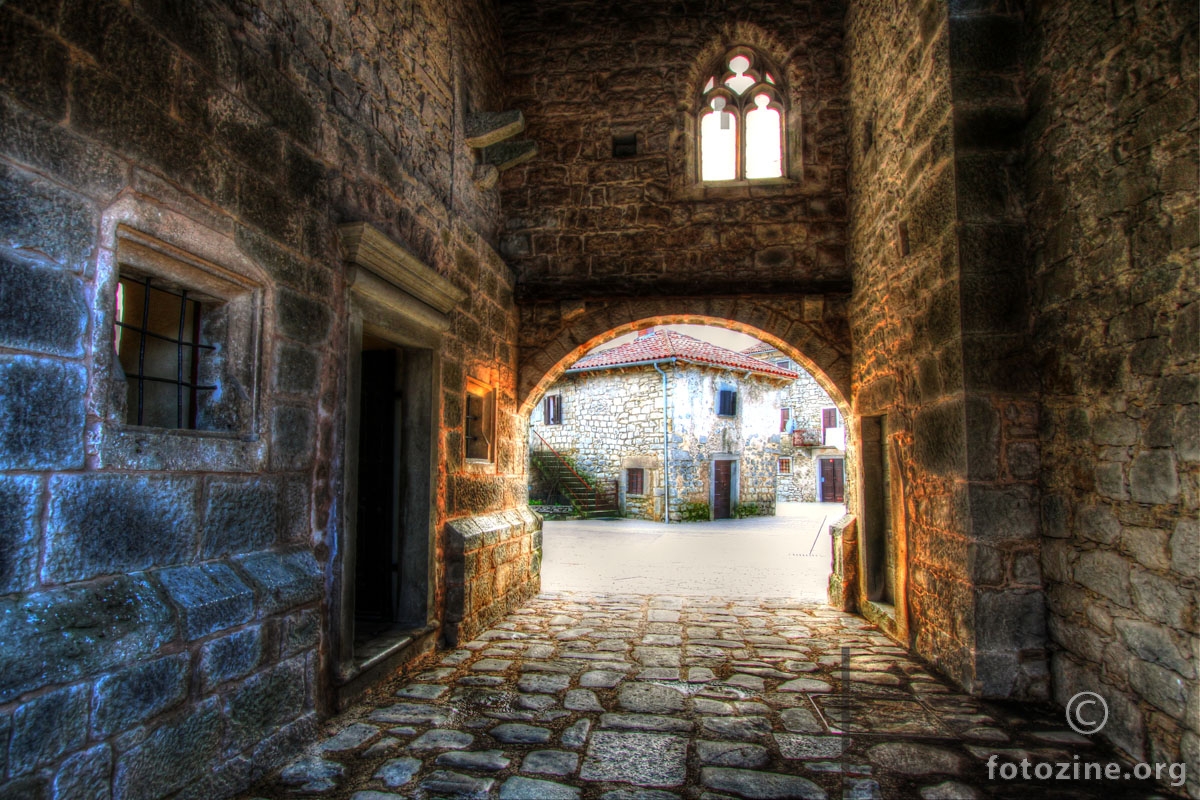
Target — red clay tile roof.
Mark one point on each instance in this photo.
(660, 345)
(758, 349)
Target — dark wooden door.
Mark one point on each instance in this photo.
(722, 483)
(833, 480)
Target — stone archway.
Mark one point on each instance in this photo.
(811, 329)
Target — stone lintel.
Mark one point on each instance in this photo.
(364, 245)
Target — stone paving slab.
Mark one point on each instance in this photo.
(589, 697)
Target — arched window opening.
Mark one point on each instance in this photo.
(741, 124)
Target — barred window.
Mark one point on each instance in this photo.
(785, 466)
(160, 344)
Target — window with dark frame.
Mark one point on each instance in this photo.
(785, 466)
(727, 403)
(552, 410)
(830, 419)
(158, 341)
(785, 416)
(635, 480)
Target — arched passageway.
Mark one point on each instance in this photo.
(811, 329)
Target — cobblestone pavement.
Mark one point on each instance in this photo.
(642, 697)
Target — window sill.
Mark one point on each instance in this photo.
(152, 449)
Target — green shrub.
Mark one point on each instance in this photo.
(694, 512)
(746, 510)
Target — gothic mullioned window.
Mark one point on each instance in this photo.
(741, 121)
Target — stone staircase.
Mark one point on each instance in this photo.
(592, 502)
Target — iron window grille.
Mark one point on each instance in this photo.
(635, 480)
(785, 466)
(159, 343)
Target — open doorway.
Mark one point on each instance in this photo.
(386, 570)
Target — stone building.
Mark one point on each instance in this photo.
(719, 442)
(282, 282)
(812, 437)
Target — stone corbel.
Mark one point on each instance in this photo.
(489, 133)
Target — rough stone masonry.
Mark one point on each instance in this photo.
(409, 216)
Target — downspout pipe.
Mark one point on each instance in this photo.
(666, 447)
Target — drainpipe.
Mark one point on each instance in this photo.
(666, 451)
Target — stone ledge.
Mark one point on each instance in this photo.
(283, 580)
(209, 598)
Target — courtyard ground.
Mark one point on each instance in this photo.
(786, 555)
(634, 685)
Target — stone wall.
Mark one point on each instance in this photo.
(905, 308)
(942, 333)
(613, 420)
(164, 595)
(580, 221)
(1111, 179)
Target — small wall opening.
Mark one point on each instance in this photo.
(878, 540)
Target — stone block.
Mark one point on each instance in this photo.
(34, 67)
(209, 598)
(301, 631)
(20, 507)
(54, 150)
(46, 727)
(44, 308)
(230, 657)
(1153, 478)
(1162, 687)
(1009, 620)
(939, 439)
(1161, 599)
(983, 439)
(41, 413)
(292, 437)
(1156, 644)
(240, 517)
(1007, 513)
(101, 524)
(297, 370)
(131, 697)
(172, 756)
(1106, 574)
(1185, 548)
(63, 635)
(283, 580)
(265, 702)
(302, 318)
(85, 776)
